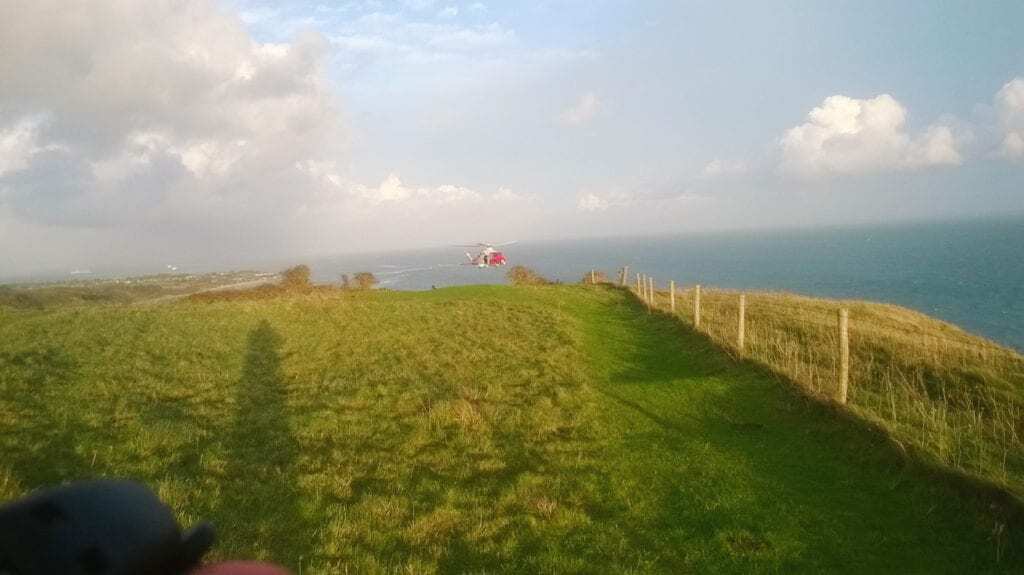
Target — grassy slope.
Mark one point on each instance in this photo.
(954, 398)
(469, 429)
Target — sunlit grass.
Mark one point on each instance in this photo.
(483, 429)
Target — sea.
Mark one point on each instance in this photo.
(970, 273)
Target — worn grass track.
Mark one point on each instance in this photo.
(477, 429)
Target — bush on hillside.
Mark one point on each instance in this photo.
(296, 277)
(363, 281)
(524, 276)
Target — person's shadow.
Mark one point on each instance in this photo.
(260, 506)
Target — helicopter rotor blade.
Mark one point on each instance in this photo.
(485, 245)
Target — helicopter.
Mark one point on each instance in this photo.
(488, 256)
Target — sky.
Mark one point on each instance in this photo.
(186, 131)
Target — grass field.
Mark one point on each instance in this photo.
(955, 399)
(478, 429)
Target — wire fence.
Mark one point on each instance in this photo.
(954, 397)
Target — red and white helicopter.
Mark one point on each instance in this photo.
(488, 256)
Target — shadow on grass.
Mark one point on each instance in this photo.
(260, 493)
(833, 472)
(45, 452)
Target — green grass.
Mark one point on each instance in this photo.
(479, 429)
(955, 399)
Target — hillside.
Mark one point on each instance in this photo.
(144, 289)
(480, 429)
(954, 399)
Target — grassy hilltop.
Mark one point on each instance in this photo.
(476, 429)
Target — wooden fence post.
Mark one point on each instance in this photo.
(625, 275)
(650, 291)
(637, 284)
(592, 280)
(844, 356)
(696, 306)
(672, 295)
(742, 326)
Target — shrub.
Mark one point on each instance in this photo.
(364, 280)
(296, 277)
(524, 276)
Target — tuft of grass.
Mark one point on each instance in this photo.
(954, 398)
(476, 429)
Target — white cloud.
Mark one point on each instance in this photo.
(393, 190)
(161, 112)
(18, 145)
(1013, 145)
(1010, 109)
(848, 136)
(935, 147)
(417, 213)
(582, 112)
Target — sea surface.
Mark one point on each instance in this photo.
(968, 273)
